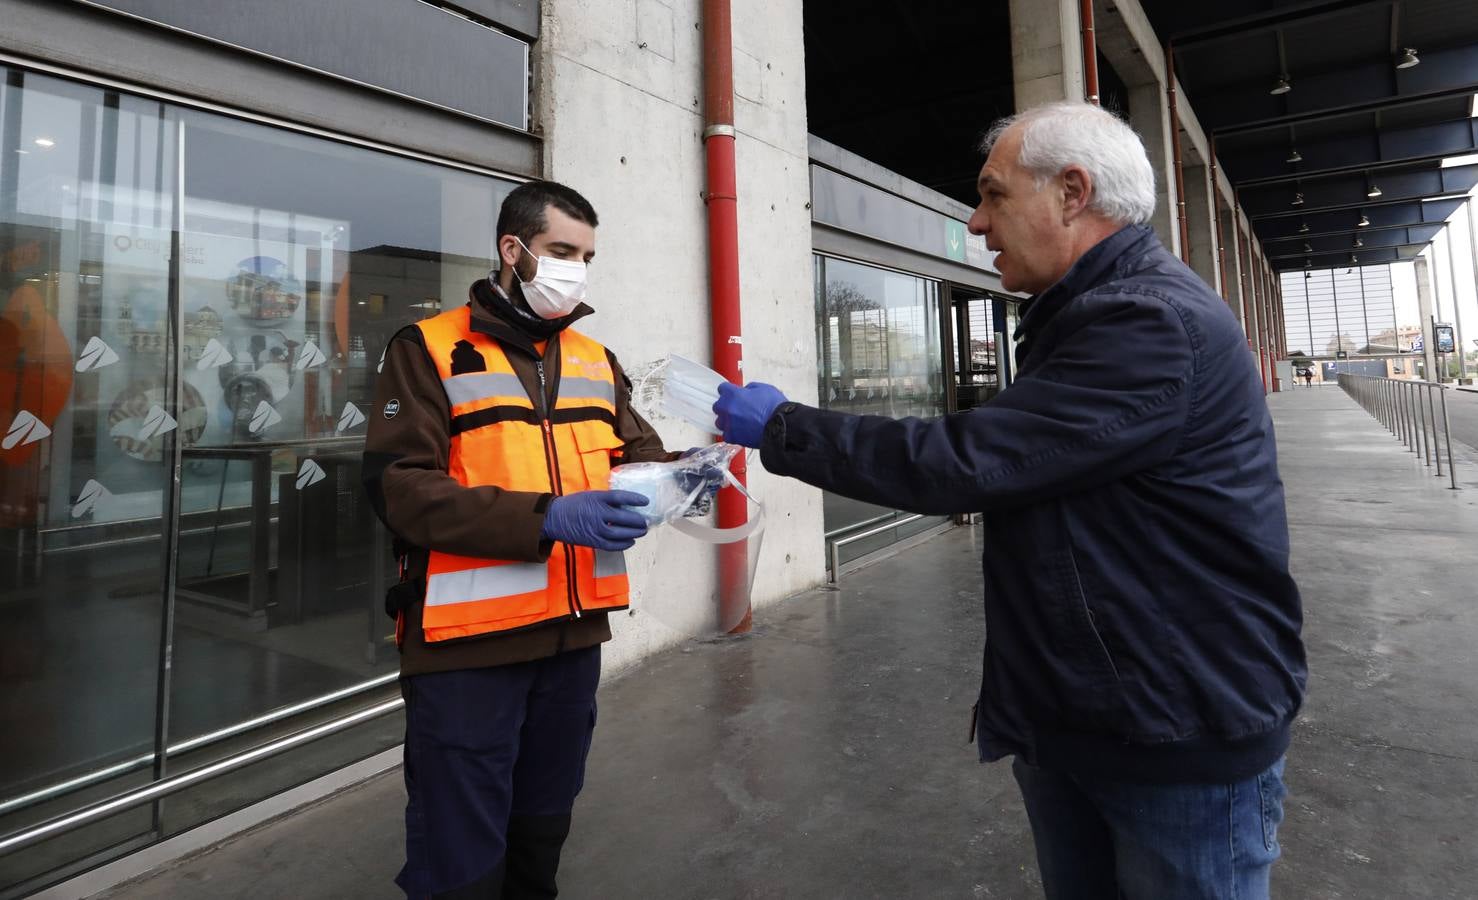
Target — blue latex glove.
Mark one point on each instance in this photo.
(596, 519)
(743, 412)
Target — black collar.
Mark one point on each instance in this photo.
(1103, 261)
(497, 316)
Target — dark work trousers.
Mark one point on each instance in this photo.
(493, 760)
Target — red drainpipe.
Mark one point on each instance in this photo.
(722, 199)
(1090, 51)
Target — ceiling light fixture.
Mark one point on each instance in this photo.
(1295, 156)
(1298, 198)
(1374, 191)
(1308, 248)
(1303, 227)
(1408, 59)
(1282, 86)
(1354, 260)
(1363, 222)
(1359, 243)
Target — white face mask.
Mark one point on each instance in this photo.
(558, 286)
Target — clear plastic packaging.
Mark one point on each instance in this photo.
(679, 488)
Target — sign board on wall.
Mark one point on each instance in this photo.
(1446, 343)
(411, 49)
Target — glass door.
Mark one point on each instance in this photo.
(977, 374)
(881, 353)
(1006, 317)
(93, 422)
(192, 312)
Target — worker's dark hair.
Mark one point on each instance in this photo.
(523, 214)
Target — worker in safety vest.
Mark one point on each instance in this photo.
(488, 457)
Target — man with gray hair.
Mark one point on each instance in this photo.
(1144, 661)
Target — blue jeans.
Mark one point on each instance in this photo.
(1106, 840)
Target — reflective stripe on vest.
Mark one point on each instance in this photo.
(488, 582)
(608, 563)
(465, 389)
(500, 438)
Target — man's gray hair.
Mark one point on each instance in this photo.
(1070, 133)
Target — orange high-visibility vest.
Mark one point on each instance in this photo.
(501, 436)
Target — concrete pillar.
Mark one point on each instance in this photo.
(1128, 41)
(1202, 224)
(1424, 308)
(1232, 243)
(1270, 306)
(1256, 307)
(1046, 52)
(1149, 114)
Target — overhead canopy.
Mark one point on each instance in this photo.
(1344, 167)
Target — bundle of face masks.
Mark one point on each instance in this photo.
(689, 391)
(677, 489)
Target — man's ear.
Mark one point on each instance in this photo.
(1077, 192)
(508, 251)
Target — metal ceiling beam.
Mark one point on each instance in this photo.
(1399, 214)
(1342, 260)
(1349, 191)
(1360, 86)
(1419, 235)
(1246, 26)
(1372, 149)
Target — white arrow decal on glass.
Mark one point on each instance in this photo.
(309, 357)
(96, 355)
(309, 474)
(351, 417)
(381, 366)
(26, 429)
(92, 494)
(213, 356)
(157, 422)
(265, 417)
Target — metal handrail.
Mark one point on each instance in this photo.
(837, 532)
(51, 827)
(1408, 408)
(146, 759)
(835, 547)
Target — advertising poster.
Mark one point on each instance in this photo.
(248, 354)
(1446, 343)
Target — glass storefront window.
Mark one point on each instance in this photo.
(878, 339)
(194, 308)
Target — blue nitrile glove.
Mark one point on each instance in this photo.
(743, 412)
(596, 519)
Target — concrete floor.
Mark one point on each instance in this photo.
(824, 755)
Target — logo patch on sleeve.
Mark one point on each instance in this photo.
(391, 408)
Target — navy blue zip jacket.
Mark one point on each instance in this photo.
(1141, 621)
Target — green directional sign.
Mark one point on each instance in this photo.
(954, 239)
